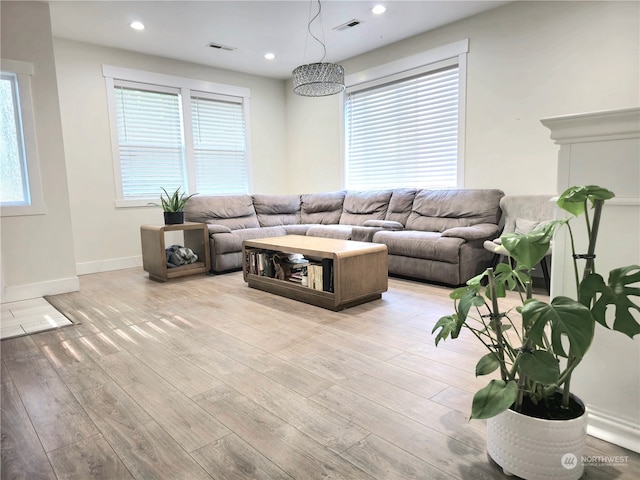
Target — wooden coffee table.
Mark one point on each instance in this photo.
(358, 270)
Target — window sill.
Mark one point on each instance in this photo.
(22, 210)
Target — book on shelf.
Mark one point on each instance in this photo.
(292, 267)
(314, 276)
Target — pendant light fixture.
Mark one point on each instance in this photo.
(318, 79)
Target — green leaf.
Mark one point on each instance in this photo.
(567, 318)
(487, 364)
(528, 249)
(574, 198)
(449, 326)
(493, 399)
(460, 292)
(540, 366)
(616, 293)
(475, 281)
(470, 299)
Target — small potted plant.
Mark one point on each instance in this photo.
(535, 427)
(173, 206)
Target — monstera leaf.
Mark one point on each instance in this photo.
(449, 326)
(567, 317)
(540, 366)
(573, 199)
(528, 249)
(616, 293)
(493, 399)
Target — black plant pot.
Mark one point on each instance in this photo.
(173, 218)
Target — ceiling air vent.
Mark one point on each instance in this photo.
(218, 46)
(348, 25)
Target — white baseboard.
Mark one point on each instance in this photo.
(613, 430)
(98, 266)
(40, 289)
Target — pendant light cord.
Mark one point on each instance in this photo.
(324, 48)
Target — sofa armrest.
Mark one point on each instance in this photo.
(385, 224)
(214, 228)
(482, 231)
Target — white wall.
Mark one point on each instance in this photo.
(37, 251)
(107, 237)
(527, 61)
(314, 126)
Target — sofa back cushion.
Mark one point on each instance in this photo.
(358, 207)
(400, 205)
(324, 208)
(275, 210)
(438, 210)
(232, 211)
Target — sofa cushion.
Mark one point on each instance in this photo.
(342, 232)
(400, 205)
(321, 208)
(439, 210)
(388, 224)
(277, 209)
(296, 229)
(480, 231)
(358, 207)
(233, 211)
(415, 244)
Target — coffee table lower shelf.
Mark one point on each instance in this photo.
(304, 294)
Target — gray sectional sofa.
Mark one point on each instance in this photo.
(433, 235)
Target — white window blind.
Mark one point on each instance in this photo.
(404, 133)
(151, 143)
(219, 145)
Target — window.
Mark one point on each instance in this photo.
(176, 133)
(405, 129)
(219, 144)
(150, 140)
(20, 191)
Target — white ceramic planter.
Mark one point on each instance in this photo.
(537, 449)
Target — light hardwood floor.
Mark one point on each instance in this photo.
(202, 378)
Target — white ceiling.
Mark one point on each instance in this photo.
(183, 29)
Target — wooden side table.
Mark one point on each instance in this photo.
(196, 237)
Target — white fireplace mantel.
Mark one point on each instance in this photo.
(603, 148)
(594, 127)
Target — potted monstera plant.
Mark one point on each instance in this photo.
(173, 206)
(536, 428)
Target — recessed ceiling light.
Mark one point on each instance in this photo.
(269, 56)
(137, 25)
(379, 9)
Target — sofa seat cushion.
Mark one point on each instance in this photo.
(297, 229)
(232, 211)
(275, 210)
(439, 210)
(322, 208)
(342, 232)
(415, 244)
(232, 242)
(358, 207)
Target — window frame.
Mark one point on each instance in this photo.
(431, 60)
(170, 83)
(23, 72)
